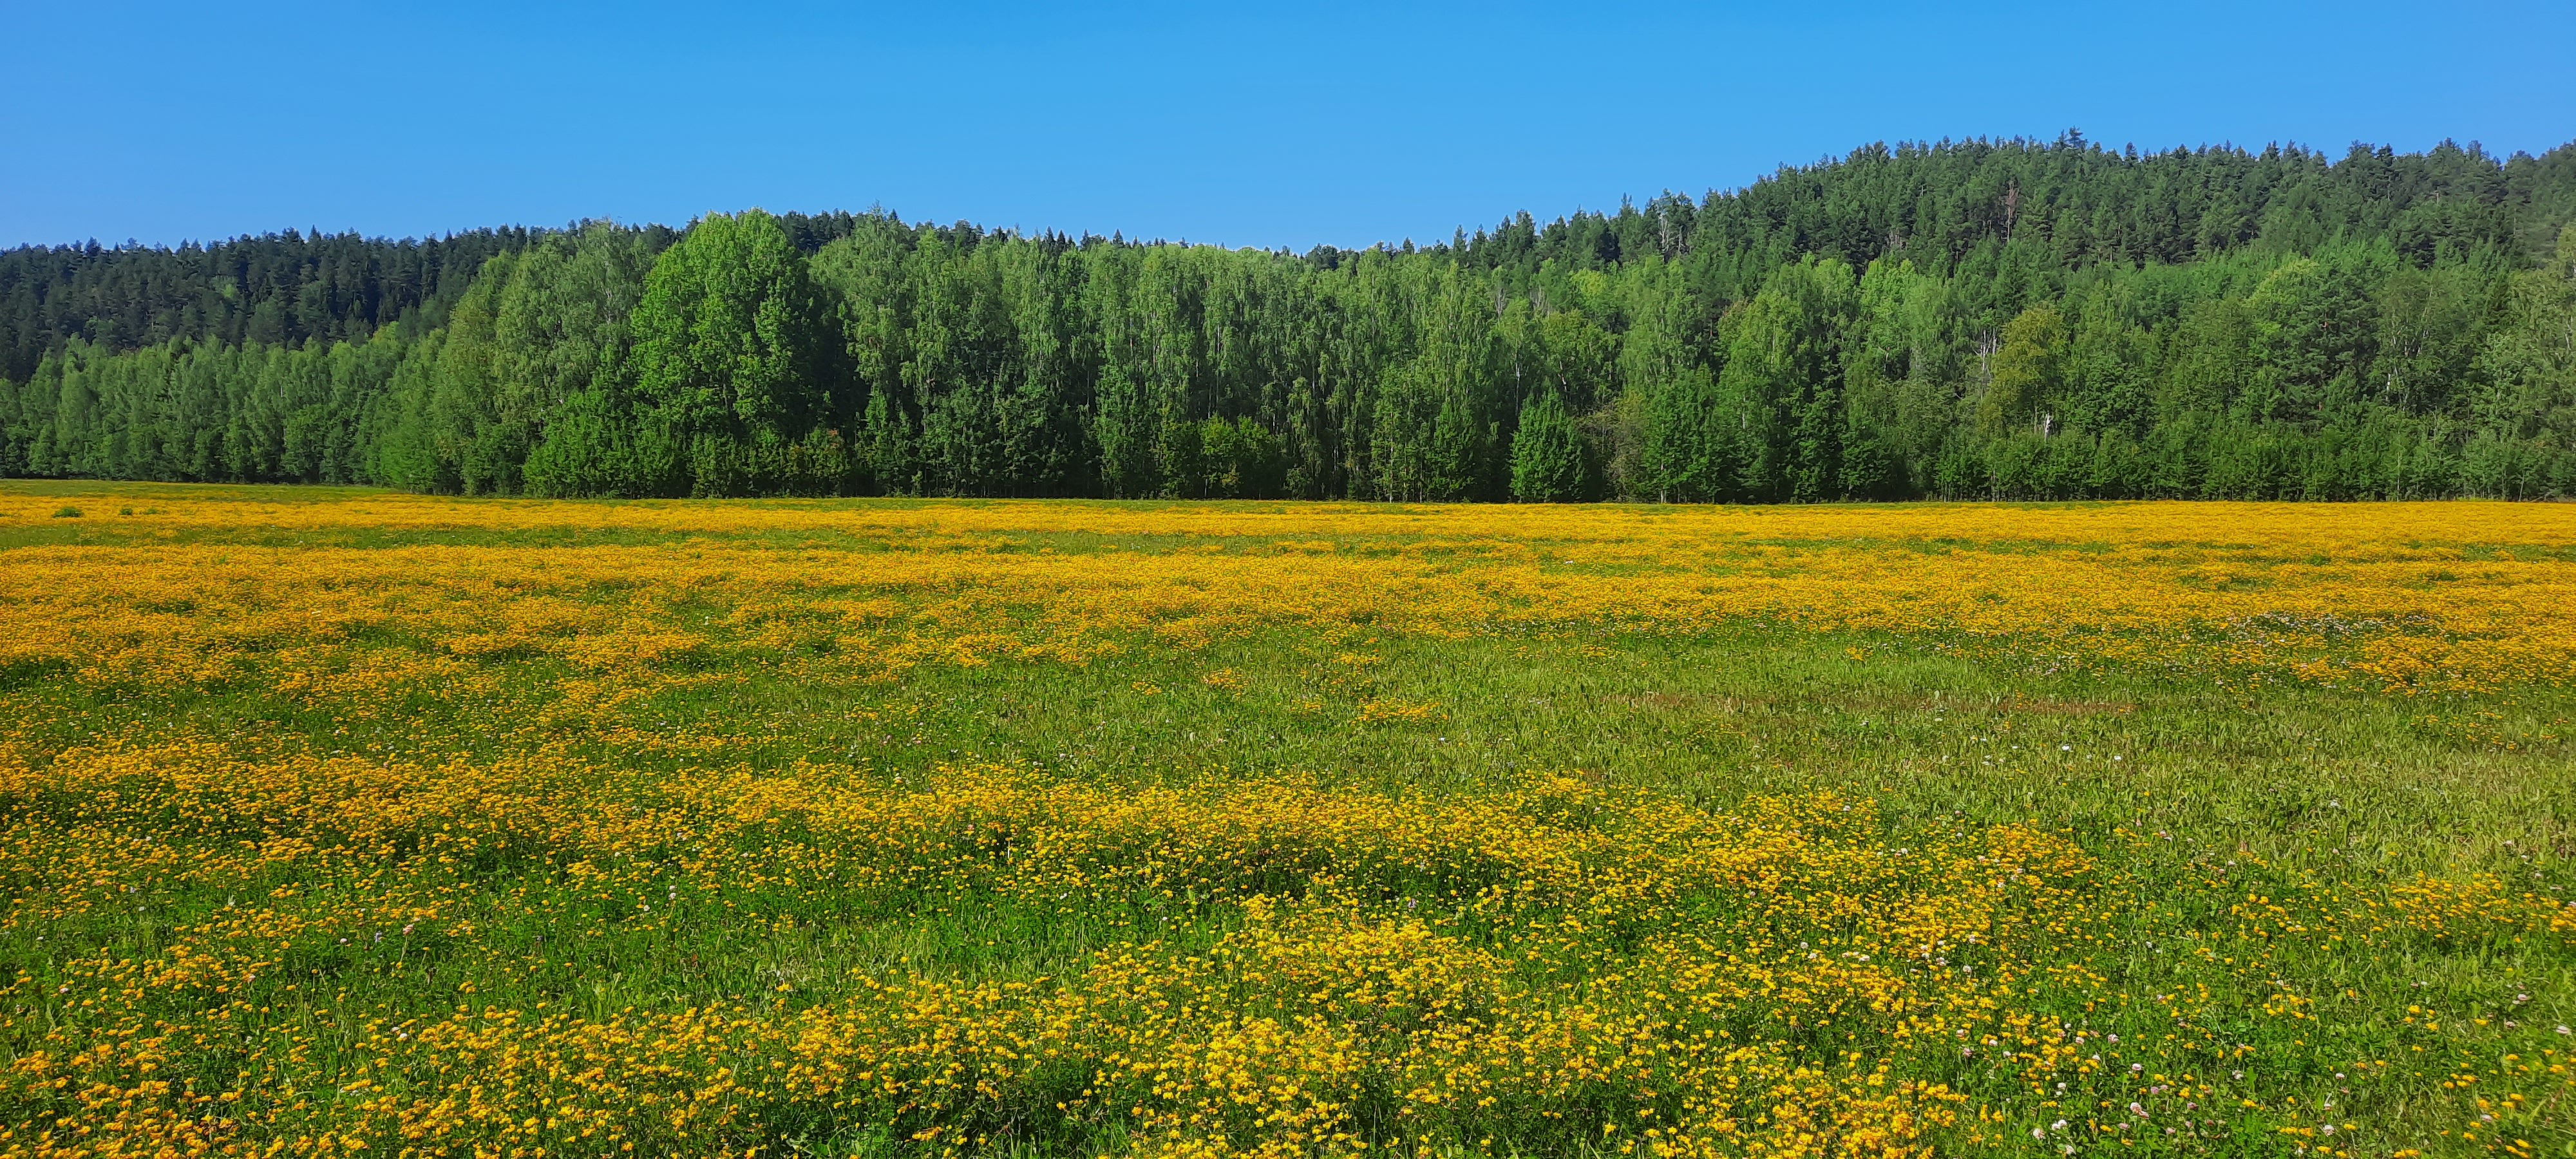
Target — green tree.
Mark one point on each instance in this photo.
(2027, 376)
(1784, 379)
(1548, 461)
(2525, 441)
(736, 359)
(2036, 318)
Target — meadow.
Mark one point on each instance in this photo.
(345, 822)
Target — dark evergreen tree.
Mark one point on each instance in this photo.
(1982, 318)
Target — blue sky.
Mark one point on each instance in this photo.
(1241, 124)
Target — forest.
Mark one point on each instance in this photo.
(1975, 319)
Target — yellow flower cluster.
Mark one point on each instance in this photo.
(562, 927)
(1582, 963)
(1556, 961)
(2450, 596)
(2478, 905)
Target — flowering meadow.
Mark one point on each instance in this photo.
(340, 822)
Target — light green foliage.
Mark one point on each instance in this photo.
(1548, 460)
(2526, 416)
(2027, 375)
(736, 362)
(1783, 381)
(1977, 319)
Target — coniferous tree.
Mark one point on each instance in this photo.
(2029, 320)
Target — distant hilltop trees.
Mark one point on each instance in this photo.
(1976, 319)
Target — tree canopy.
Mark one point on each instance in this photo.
(1981, 318)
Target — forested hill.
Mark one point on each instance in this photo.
(1967, 319)
(282, 288)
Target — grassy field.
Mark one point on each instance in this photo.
(342, 822)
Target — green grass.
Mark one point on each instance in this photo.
(2191, 792)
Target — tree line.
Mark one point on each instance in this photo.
(1968, 319)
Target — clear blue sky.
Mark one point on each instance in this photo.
(1243, 124)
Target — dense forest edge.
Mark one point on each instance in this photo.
(1980, 319)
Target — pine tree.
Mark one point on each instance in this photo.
(2041, 319)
